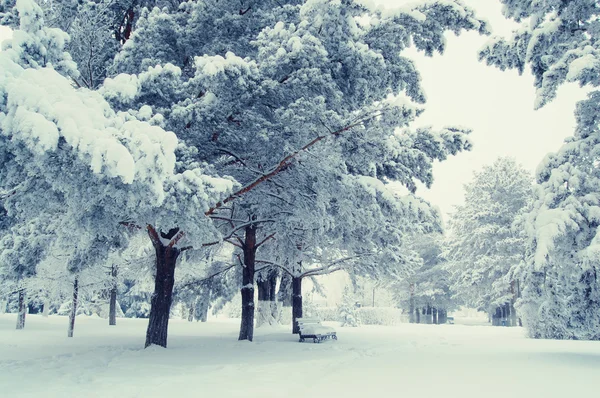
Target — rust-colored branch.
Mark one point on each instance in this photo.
(264, 240)
(153, 235)
(130, 225)
(176, 239)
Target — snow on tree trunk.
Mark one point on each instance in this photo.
(427, 313)
(73, 313)
(112, 306)
(3, 306)
(160, 305)
(267, 306)
(46, 308)
(435, 315)
(296, 303)
(191, 311)
(441, 316)
(22, 310)
(284, 298)
(247, 325)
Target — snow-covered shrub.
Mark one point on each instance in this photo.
(347, 311)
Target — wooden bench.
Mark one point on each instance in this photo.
(311, 328)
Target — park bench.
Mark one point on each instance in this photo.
(311, 328)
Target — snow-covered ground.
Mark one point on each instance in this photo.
(206, 360)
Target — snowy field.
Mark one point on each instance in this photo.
(206, 360)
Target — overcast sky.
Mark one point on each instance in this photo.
(497, 105)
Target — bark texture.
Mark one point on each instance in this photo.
(160, 309)
(112, 306)
(73, 313)
(22, 310)
(249, 249)
(296, 303)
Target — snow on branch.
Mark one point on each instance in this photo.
(286, 162)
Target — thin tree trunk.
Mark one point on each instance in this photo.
(112, 306)
(22, 310)
(73, 308)
(160, 307)
(284, 297)
(274, 319)
(3, 304)
(435, 315)
(411, 303)
(418, 315)
(247, 324)
(442, 317)
(264, 305)
(296, 303)
(191, 311)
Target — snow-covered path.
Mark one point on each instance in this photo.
(207, 360)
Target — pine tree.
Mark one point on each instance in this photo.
(484, 244)
(347, 313)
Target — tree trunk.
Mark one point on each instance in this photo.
(22, 310)
(267, 308)
(3, 304)
(46, 308)
(296, 303)
(411, 304)
(497, 317)
(435, 315)
(442, 317)
(273, 298)
(112, 306)
(418, 315)
(427, 313)
(191, 311)
(284, 298)
(247, 325)
(264, 305)
(73, 308)
(160, 307)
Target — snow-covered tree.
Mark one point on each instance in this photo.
(102, 166)
(561, 294)
(347, 312)
(484, 245)
(427, 288)
(259, 90)
(559, 40)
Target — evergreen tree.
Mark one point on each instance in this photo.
(484, 245)
(347, 313)
(560, 44)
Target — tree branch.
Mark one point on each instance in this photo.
(153, 235)
(272, 264)
(176, 239)
(285, 163)
(199, 281)
(264, 240)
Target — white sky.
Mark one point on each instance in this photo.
(497, 105)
